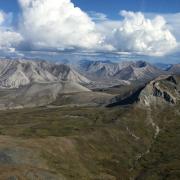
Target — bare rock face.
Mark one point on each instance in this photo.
(175, 69)
(163, 90)
(16, 73)
(118, 73)
(123, 71)
(36, 83)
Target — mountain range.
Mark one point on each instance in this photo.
(174, 69)
(110, 73)
(16, 73)
(27, 83)
(93, 74)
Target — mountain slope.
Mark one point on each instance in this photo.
(37, 94)
(175, 69)
(15, 73)
(107, 71)
(163, 66)
(164, 89)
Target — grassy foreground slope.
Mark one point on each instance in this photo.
(89, 143)
(163, 159)
(76, 143)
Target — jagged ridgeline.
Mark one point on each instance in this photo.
(164, 89)
(16, 73)
(26, 83)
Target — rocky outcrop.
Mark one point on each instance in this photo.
(164, 89)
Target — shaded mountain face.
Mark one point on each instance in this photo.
(164, 89)
(16, 73)
(118, 72)
(163, 66)
(175, 69)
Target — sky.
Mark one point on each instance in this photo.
(112, 8)
(141, 27)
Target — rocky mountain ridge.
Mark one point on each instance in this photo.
(16, 73)
(123, 72)
(174, 69)
(164, 89)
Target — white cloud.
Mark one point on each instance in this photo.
(1, 17)
(57, 24)
(173, 22)
(138, 34)
(9, 39)
(96, 16)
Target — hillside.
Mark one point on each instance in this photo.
(90, 143)
(61, 130)
(164, 89)
(37, 94)
(175, 69)
(16, 73)
(109, 73)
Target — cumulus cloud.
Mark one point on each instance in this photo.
(57, 24)
(173, 23)
(97, 17)
(1, 17)
(9, 39)
(135, 33)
